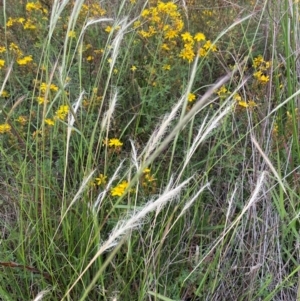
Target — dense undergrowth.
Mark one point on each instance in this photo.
(149, 150)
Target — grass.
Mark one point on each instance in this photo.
(149, 150)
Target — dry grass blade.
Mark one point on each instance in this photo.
(269, 163)
(253, 199)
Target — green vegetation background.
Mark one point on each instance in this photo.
(149, 150)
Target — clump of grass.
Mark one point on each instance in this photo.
(147, 152)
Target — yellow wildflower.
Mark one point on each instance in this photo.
(165, 46)
(209, 46)
(30, 6)
(191, 97)
(264, 79)
(199, 36)
(44, 87)
(25, 60)
(29, 25)
(2, 63)
(119, 189)
(4, 94)
(49, 121)
(15, 49)
(187, 53)
(2, 49)
(41, 99)
(87, 47)
(133, 68)
(114, 142)
(267, 65)
(36, 133)
(72, 34)
(62, 112)
(166, 67)
(22, 120)
(202, 52)
(261, 77)
(4, 128)
(243, 104)
(21, 20)
(10, 22)
(99, 51)
(101, 179)
(53, 87)
(145, 13)
(108, 29)
(151, 31)
(237, 97)
(187, 37)
(258, 61)
(171, 34)
(252, 104)
(136, 24)
(222, 91)
(144, 33)
(178, 24)
(148, 180)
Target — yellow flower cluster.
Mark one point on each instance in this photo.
(15, 50)
(204, 46)
(92, 10)
(119, 189)
(18, 53)
(35, 6)
(223, 92)
(148, 182)
(109, 29)
(148, 177)
(29, 23)
(261, 68)
(62, 112)
(24, 60)
(4, 128)
(164, 18)
(43, 88)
